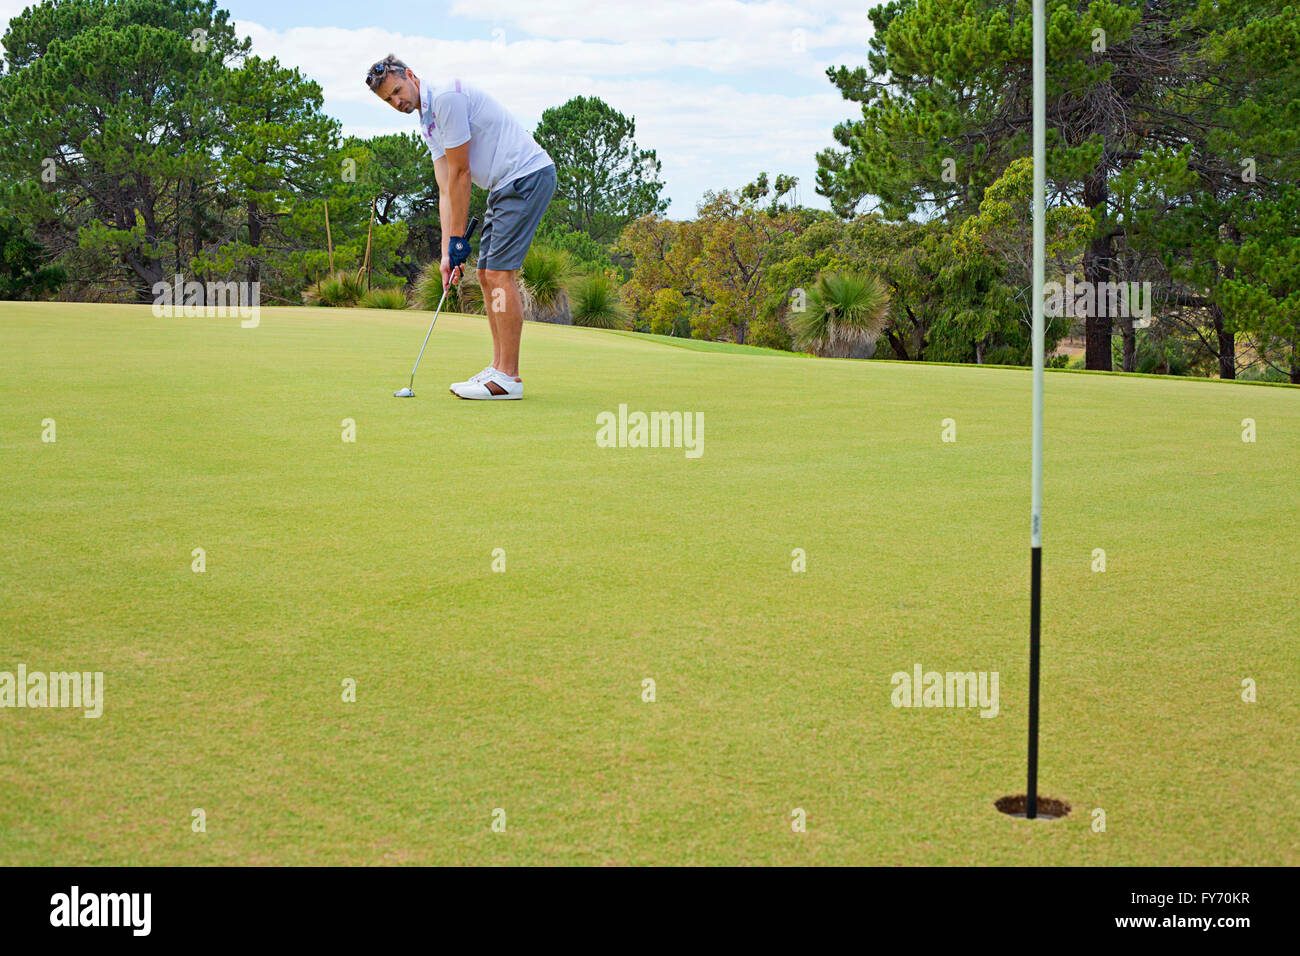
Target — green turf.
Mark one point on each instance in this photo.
(522, 690)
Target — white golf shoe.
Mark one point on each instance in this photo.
(477, 377)
(494, 385)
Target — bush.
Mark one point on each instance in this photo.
(1157, 353)
(596, 304)
(393, 298)
(543, 284)
(1262, 373)
(340, 290)
(770, 332)
(670, 314)
(580, 246)
(466, 296)
(23, 272)
(845, 312)
(426, 290)
(1008, 355)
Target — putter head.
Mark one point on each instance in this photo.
(403, 393)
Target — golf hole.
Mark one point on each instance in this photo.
(1049, 808)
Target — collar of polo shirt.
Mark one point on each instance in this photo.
(426, 106)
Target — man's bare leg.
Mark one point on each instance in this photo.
(506, 314)
(485, 285)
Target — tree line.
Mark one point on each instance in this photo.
(1173, 153)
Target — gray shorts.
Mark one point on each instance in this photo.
(513, 211)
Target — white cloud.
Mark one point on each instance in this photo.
(669, 20)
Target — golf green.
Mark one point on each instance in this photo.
(499, 587)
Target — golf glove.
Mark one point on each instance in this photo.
(457, 250)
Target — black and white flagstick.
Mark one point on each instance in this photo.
(1036, 512)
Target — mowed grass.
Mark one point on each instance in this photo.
(522, 690)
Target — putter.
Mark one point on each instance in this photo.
(409, 391)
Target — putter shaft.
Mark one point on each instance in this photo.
(437, 312)
(458, 273)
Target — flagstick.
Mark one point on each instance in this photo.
(1036, 515)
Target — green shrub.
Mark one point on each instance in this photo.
(384, 299)
(466, 296)
(339, 290)
(426, 290)
(596, 305)
(844, 312)
(1157, 353)
(1262, 373)
(23, 274)
(670, 314)
(546, 274)
(580, 246)
(1006, 355)
(770, 332)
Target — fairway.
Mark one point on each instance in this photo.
(521, 690)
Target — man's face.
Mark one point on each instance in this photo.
(399, 91)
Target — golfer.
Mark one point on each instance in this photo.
(472, 138)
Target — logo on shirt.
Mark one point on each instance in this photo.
(426, 108)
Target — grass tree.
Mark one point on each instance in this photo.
(844, 312)
(546, 274)
(466, 297)
(596, 303)
(388, 298)
(342, 289)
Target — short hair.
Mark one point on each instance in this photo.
(379, 72)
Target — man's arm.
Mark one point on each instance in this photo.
(452, 172)
(452, 109)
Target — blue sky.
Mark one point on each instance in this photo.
(722, 89)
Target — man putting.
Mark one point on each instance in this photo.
(472, 138)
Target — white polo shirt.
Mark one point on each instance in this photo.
(453, 113)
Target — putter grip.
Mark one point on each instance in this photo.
(469, 231)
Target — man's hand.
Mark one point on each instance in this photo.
(450, 274)
(458, 249)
